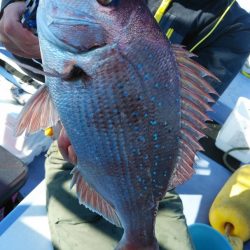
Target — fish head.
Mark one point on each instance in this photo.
(71, 31)
(86, 25)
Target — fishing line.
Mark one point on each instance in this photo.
(227, 153)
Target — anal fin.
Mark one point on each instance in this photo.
(92, 199)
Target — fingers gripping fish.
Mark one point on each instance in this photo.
(133, 107)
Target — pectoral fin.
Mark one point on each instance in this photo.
(39, 113)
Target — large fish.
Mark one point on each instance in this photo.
(133, 107)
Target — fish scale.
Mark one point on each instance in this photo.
(164, 142)
(134, 110)
(125, 107)
(106, 139)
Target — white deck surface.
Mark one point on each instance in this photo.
(26, 227)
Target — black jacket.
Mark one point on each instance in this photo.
(224, 51)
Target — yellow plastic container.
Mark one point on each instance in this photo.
(230, 210)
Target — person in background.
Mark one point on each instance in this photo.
(217, 31)
(17, 39)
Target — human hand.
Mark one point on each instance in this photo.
(65, 147)
(17, 39)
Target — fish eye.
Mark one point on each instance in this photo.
(105, 2)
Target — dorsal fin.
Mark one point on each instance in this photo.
(39, 113)
(195, 95)
(93, 200)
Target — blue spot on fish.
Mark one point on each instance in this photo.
(139, 178)
(157, 85)
(139, 66)
(155, 136)
(136, 128)
(140, 97)
(135, 115)
(141, 138)
(134, 150)
(147, 77)
(153, 98)
(120, 86)
(153, 122)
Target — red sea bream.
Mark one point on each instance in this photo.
(132, 105)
